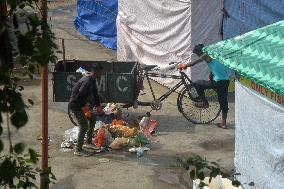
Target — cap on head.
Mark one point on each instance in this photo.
(198, 49)
(97, 67)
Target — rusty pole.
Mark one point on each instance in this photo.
(44, 107)
(3, 9)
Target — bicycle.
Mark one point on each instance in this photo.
(187, 96)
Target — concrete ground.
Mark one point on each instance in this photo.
(158, 168)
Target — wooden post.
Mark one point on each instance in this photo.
(63, 53)
(44, 107)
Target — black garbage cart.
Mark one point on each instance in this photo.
(118, 84)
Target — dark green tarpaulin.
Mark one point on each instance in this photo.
(257, 55)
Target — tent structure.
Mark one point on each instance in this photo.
(258, 58)
(159, 32)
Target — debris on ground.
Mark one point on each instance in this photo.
(70, 138)
(217, 183)
(116, 134)
(104, 160)
(139, 151)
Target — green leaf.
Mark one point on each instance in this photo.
(22, 5)
(33, 156)
(31, 102)
(21, 184)
(201, 176)
(19, 119)
(21, 60)
(19, 148)
(192, 174)
(31, 68)
(21, 88)
(251, 184)
(2, 29)
(8, 170)
(202, 185)
(1, 146)
(236, 183)
(34, 20)
(25, 45)
(12, 3)
(214, 163)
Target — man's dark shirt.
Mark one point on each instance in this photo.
(81, 92)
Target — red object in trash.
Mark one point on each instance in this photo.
(153, 125)
(99, 140)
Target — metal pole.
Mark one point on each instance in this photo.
(44, 107)
(63, 53)
(3, 10)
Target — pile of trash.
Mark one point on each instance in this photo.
(117, 134)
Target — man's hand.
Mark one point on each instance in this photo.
(100, 110)
(182, 66)
(87, 112)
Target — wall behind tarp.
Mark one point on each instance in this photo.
(259, 152)
(246, 15)
(160, 32)
(96, 20)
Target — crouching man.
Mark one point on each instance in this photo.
(80, 104)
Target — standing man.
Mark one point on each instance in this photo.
(80, 104)
(218, 79)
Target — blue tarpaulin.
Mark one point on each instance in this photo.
(96, 20)
(247, 15)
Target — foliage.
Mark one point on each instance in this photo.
(198, 169)
(24, 43)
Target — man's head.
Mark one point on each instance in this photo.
(198, 49)
(97, 69)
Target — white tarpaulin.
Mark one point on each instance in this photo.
(164, 31)
(259, 147)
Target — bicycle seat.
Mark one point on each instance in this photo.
(148, 67)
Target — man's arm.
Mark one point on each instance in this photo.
(83, 92)
(201, 58)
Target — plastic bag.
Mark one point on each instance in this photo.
(110, 109)
(99, 124)
(82, 71)
(119, 143)
(139, 151)
(153, 126)
(141, 139)
(103, 138)
(71, 135)
(70, 138)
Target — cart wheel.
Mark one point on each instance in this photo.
(199, 115)
(72, 116)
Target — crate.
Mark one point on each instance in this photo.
(118, 83)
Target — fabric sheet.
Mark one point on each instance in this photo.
(259, 135)
(160, 32)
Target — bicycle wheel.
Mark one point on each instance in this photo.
(199, 115)
(72, 116)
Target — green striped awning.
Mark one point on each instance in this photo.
(257, 55)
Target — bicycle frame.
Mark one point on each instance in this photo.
(184, 81)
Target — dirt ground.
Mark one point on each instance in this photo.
(158, 168)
